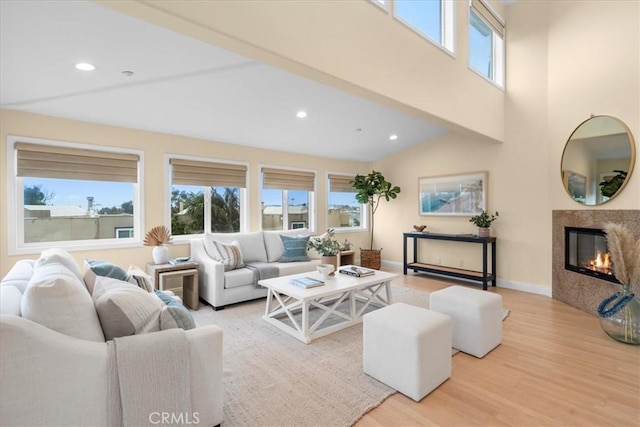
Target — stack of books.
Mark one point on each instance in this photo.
(180, 260)
(306, 282)
(357, 271)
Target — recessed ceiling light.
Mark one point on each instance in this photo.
(301, 114)
(85, 66)
(393, 137)
(128, 73)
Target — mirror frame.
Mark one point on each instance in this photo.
(632, 160)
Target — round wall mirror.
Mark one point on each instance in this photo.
(598, 160)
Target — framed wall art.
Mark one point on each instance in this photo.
(461, 194)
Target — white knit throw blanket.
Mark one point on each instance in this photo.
(149, 377)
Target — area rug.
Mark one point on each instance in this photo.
(272, 379)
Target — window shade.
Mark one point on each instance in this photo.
(208, 174)
(47, 161)
(491, 19)
(281, 179)
(341, 184)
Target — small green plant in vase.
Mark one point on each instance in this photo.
(483, 221)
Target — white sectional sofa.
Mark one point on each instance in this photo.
(57, 369)
(219, 288)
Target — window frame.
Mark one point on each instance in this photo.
(312, 214)
(498, 50)
(447, 27)
(364, 225)
(15, 217)
(183, 239)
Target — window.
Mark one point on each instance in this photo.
(430, 18)
(124, 233)
(287, 197)
(207, 197)
(344, 211)
(486, 43)
(71, 196)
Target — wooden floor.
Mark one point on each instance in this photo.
(555, 367)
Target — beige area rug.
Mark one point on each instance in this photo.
(272, 379)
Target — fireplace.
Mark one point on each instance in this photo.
(586, 253)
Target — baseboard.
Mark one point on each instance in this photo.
(501, 283)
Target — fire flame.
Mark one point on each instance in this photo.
(601, 263)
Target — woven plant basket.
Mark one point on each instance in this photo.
(370, 258)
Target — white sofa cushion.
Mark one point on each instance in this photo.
(287, 268)
(273, 242)
(10, 300)
(57, 299)
(60, 256)
(125, 309)
(20, 274)
(251, 244)
(237, 278)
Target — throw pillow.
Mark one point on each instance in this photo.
(229, 255)
(140, 278)
(60, 256)
(124, 309)
(174, 315)
(57, 299)
(101, 268)
(295, 249)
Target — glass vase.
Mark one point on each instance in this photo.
(620, 316)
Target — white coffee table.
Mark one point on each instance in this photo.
(290, 302)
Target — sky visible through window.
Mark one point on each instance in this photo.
(109, 194)
(423, 15)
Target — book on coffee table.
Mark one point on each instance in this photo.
(306, 282)
(357, 271)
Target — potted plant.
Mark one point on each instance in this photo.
(483, 221)
(326, 246)
(370, 190)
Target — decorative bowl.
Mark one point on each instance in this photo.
(419, 228)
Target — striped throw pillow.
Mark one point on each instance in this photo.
(229, 255)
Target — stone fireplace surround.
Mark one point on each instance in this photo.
(575, 289)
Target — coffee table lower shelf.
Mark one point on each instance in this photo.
(289, 308)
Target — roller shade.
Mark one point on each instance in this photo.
(494, 22)
(281, 179)
(341, 184)
(208, 174)
(47, 161)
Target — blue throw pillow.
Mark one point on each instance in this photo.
(295, 249)
(104, 268)
(179, 312)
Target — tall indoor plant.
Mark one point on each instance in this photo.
(370, 190)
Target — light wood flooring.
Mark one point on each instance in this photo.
(555, 367)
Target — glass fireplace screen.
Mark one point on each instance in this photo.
(586, 252)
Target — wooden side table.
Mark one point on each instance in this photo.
(181, 279)
(347, 258)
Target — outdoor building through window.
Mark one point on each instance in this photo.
(287, 197)
(206, 197)
(71, 195)
(344, 211)
(486, 43)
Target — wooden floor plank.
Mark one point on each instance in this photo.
(555, 367)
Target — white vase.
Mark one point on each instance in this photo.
(160, 254)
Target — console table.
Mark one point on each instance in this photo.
(483, 276)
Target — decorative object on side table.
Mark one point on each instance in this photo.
(620, 313)
(371, 189)
(419, 228)
(327, 247)
(483, 221)
(158, 237)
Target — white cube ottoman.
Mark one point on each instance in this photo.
(476, 317)
(407, 348)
